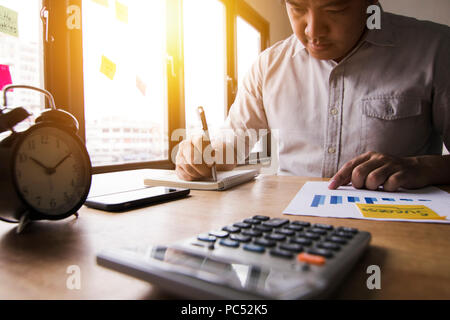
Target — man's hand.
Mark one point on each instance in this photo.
(373, 170)
(191, 162)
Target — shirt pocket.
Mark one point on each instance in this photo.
(394, 125)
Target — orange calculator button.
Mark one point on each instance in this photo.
(311, 258)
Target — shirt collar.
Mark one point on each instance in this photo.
(379, 37)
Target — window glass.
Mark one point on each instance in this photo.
(125, 85)
(248, 49)
(21, 53)
(204, 61)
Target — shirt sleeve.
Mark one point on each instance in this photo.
(247, 119)
(441, 91)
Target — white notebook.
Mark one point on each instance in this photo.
(225, 180)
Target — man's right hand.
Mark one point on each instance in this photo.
(194, 159)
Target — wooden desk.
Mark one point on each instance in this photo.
(414, 257)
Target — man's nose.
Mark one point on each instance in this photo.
(316, 27)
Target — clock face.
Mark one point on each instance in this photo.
(52, 171)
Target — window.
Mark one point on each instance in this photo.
(125, 96)
(21, 53)
(133, 72)
(205, 61)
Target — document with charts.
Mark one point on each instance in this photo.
(428, 204)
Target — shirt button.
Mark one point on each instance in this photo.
(331, 150)
(334, 111)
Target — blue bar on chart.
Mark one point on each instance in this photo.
(370, 200)
(336, 200)
(424, 200)
(318, 200)
(388, 199)
(406, 199)
(353, 199)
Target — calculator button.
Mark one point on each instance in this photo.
(229, 243)
(206, 238)
(265, 242)
(310, 235)
(275, 222)
(252, 232)
(242, 225)
(323, 226)
(252, 221)
(321, 252)
(263, 228)
(231, 229)
(276, 237)
(281, 253)
(219, 233)
(343, 234)
(329, 245)
(302, 241)
(285, 232)
(240, 238)
(254, 248)
(318, 231)
(336, 239)
(294, 247)
(347, 229)
(311, 259)
(301, 223)
(262, 218)
(294, 227)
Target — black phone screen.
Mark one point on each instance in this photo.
(135, 198)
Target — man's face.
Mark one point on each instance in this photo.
(329, 29)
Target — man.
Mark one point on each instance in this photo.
(370, 107)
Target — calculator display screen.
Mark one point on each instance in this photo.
(267, 281)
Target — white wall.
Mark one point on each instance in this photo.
(275, 13)
(432, 10)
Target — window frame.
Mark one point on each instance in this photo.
(64, 51)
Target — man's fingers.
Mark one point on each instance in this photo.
(379, 176)
(361, 172)
(344, 175)
(394, 182)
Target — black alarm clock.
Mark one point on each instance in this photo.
(45, 171)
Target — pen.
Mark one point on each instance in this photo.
(201, 114)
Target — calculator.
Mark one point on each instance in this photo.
(257, 258)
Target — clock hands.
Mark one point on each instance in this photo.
(62, 161)
(50, 171)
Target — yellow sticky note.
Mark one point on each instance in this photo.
(102, 2)
(409, 212)
(121, 12)
(108, 68)
(9, 21)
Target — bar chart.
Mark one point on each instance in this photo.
(320, 200)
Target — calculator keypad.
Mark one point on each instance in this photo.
(281, 238)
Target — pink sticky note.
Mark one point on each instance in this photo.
(5, 76)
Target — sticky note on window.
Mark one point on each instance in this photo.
(108, 68)
(408, 212)
(102, 2)
(141, 85)
(5, 76)
(9, 21)
(121, 12)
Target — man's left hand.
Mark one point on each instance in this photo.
(373, 170)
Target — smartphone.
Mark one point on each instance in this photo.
(123, 201)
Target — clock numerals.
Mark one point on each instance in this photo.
(52, 203)
(38, 200)
(31, 145)
(44, 140)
